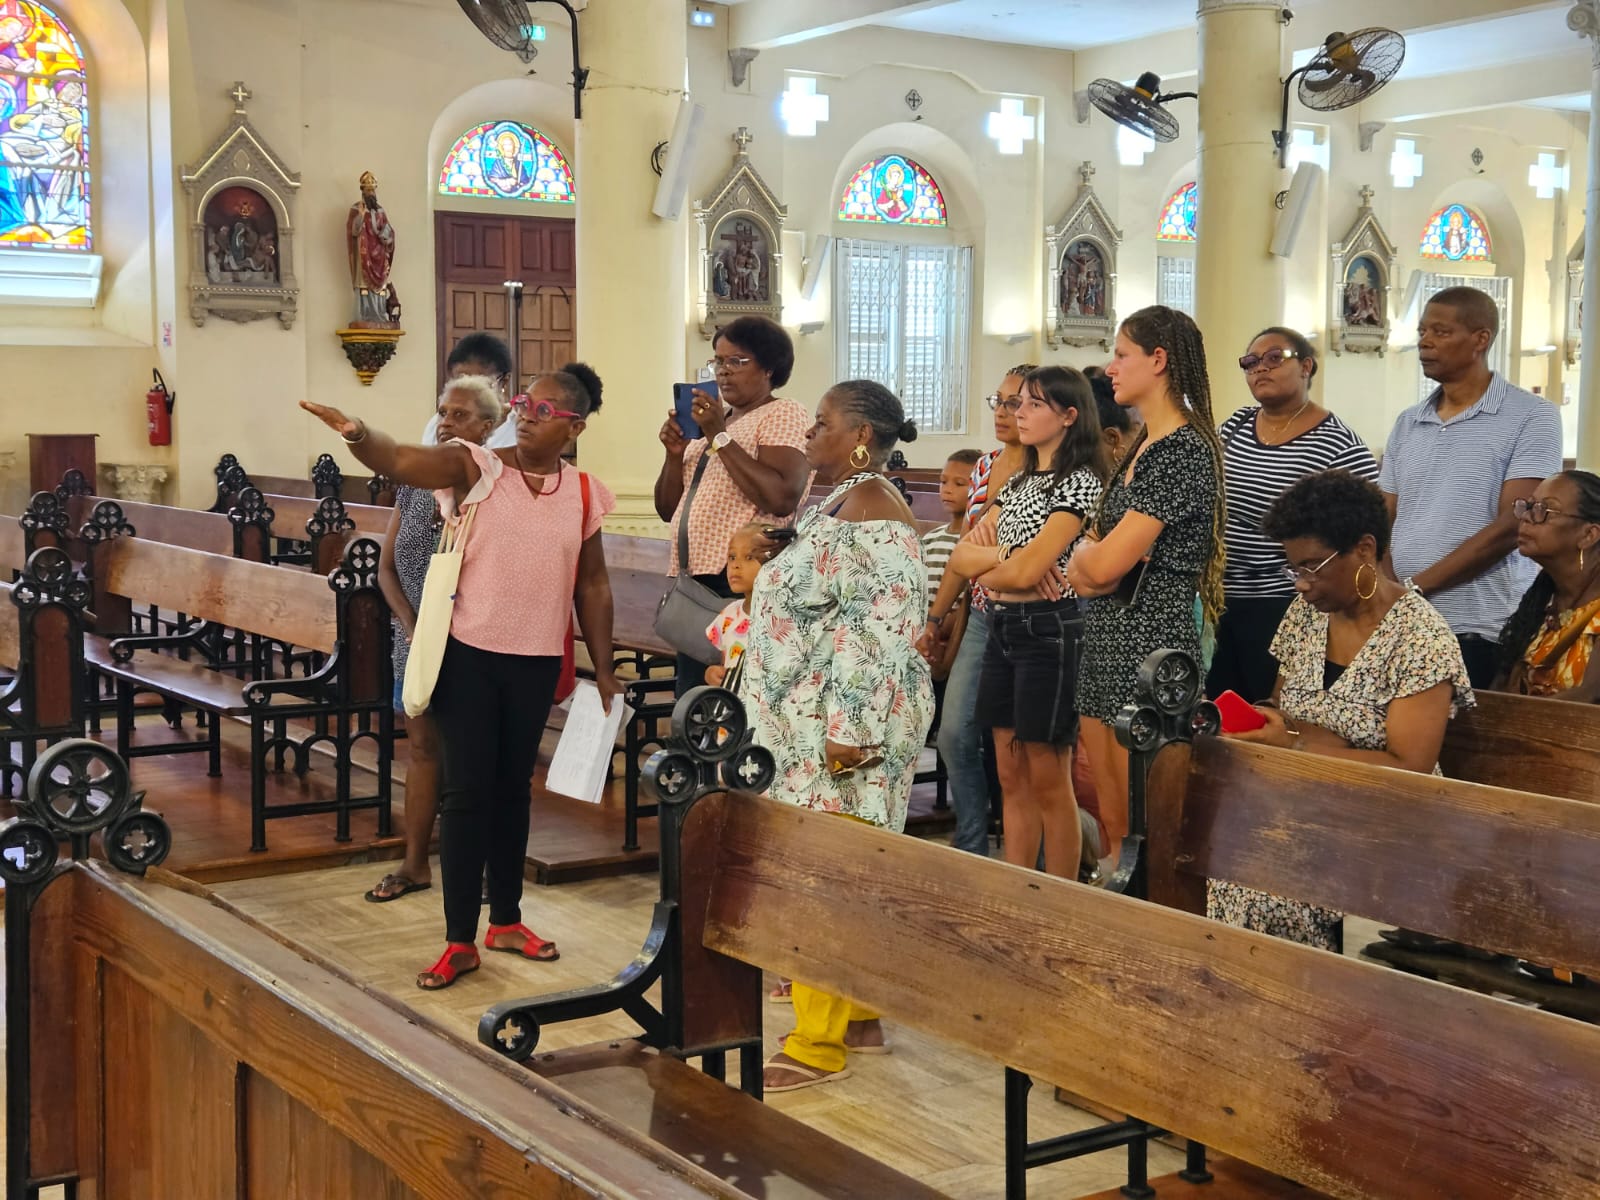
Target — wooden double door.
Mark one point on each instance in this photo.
(476, 253)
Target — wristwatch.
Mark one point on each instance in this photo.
(721, 441)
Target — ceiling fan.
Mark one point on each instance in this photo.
(1347, 69)
(509, 25)
(1141, 107)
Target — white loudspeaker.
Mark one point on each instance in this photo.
(1295, 206)
(1407, 315)
(674, 185)
(814, 262)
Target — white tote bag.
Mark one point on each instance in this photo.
(433, 615)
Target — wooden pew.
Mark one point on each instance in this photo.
(1527, 743)
(160, 1045)
(1352, 1079)
(326, 479)
(41, 651)
(245, 531)
(315, 532)
(343, 617)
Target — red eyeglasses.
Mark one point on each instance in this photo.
(539, 410)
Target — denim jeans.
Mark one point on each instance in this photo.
(960, 744)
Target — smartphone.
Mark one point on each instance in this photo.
(1238, 714)
(683, 405)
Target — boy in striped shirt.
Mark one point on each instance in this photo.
(941, 539)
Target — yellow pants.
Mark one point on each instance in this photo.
(820, 1021)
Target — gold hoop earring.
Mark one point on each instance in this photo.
(864, 460)
(1580, 558)
(1373, 590)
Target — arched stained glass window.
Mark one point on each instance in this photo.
(1179, 214)
(1457, 234)
(893, 190)
(507, 160)
(44, 127)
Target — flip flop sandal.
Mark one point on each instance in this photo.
(781, 994)
(884, 1048)
(458, 959)
(406, 886)
(533, 946)
(804, 1076)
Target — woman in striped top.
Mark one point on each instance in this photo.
(1267, 447)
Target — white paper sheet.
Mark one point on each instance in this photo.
(578, 768)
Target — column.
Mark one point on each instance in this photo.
(1584, 19)
(632, 305)
(1239, 287)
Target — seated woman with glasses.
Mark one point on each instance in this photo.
(1368, 670)
(1547, 647)
(1266, 446)
(753, 447)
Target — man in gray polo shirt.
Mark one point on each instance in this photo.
(1454, 466)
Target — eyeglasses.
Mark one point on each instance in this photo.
(1295, 574)
(1535, 512)
(731, 363)
(997, 403)
(539, 411)
(1271, 360)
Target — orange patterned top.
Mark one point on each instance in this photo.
(1535, 676)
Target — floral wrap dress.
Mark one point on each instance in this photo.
(834, 620)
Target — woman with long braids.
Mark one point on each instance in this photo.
(835, 687)
(1156, 540)
(1547, 647)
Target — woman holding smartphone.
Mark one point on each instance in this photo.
(1156, 541)
(752, 445)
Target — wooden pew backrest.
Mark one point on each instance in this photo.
(1526, 743)
(292, 513)
(1509, 871)
(13, 546)
(1342, 1075)
(294, 606)
(209, 532)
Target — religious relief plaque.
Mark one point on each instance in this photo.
(1080, 272)
(1362, 268)
(241, 198)
(741, 260)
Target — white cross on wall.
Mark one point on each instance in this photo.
(1405, 164)
(801, 107)
(1304, 147)
(1010, 126)
(1545, 176)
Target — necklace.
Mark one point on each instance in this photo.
(1284, 424)
(536, 493)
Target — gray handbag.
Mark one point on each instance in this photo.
(689, 606)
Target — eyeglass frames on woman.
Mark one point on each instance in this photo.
(730, 363)
(1295, 574)
(998, 403)
(540, 410)
(1535, 512)
(1271, 360)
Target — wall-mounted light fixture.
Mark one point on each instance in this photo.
(1013, 339)
(702, 18)
(807, 328)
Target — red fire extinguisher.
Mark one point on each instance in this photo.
(158, 404)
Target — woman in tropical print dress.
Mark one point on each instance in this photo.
(837, 690)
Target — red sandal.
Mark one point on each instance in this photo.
(458, 959)
(533, 946)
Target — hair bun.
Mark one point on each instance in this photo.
(585, 374)
(908, 432)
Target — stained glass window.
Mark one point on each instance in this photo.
(507, 160)
(1457, 234)
(1179, 215)
(893, 190)
(44, 126)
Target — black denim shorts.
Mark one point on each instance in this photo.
(1030, 670)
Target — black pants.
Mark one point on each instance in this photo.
(691, 671)
(1243, 661)
(1481, 656)
(491, 711)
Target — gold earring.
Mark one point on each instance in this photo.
(865, 457)
(1580, 558)
(1372, 591)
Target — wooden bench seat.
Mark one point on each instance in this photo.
(687, 1111)
(339, 624)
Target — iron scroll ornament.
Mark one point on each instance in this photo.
(709, 750)
(76, 789)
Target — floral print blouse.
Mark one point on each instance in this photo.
(833, 625)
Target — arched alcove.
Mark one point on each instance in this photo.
(1508, 248)
(943, 158)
